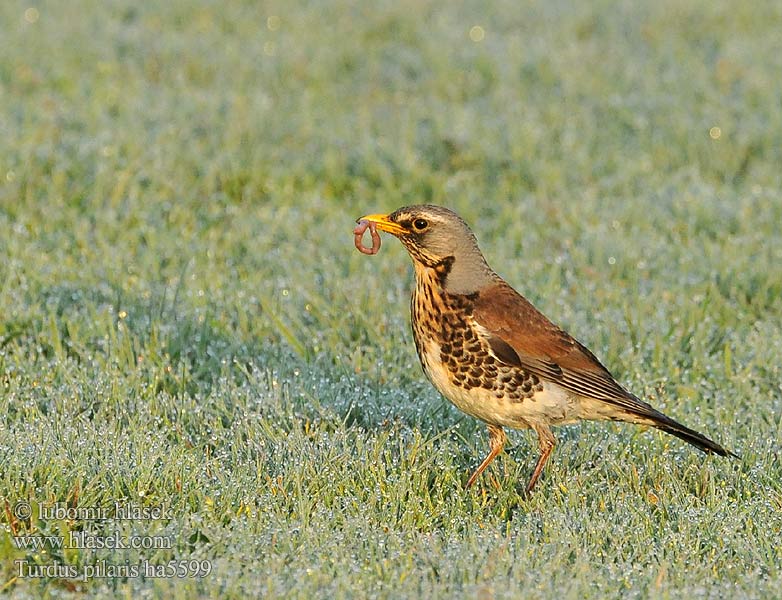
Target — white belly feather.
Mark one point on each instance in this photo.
(553, 405)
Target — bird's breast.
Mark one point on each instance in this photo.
(457, 359)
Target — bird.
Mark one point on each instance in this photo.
(495, 356)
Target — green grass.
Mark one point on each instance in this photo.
(184, 320)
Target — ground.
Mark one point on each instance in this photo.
(187, 330)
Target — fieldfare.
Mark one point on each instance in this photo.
(491, 352)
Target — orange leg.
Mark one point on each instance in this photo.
(497, 439)
(546, 443)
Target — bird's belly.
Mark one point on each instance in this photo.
(547, 404)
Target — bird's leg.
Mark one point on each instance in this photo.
(497, 439)
(546, 443)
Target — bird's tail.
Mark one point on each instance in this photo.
(700, 441)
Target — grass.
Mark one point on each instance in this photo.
(184, 321)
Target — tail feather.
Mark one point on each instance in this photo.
(700, 441)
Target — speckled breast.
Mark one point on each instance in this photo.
(458, 349)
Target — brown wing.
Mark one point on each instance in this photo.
(520, 334)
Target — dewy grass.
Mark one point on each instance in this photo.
(186, 326)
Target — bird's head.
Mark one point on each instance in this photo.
(436, 237)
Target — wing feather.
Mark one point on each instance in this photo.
(520, 335)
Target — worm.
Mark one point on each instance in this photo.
(358, 234)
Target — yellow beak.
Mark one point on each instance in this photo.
(383, 223)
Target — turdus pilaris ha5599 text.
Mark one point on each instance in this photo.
(493, 354)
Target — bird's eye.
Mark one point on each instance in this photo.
(420, 224)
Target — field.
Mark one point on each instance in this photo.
(188, 335)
